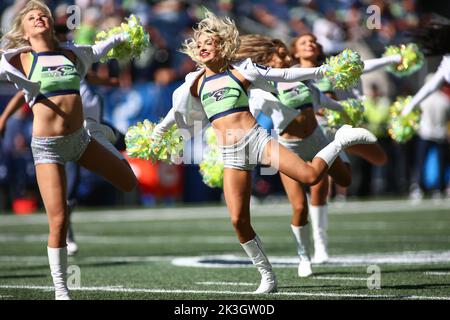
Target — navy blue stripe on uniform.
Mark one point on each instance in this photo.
(236, 79)
(227, 112)
(56, 93)
(33, 65)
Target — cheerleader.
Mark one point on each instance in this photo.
(307, 52)
(217, 93)
(49, 74)
(103, 134)
(435, 40)
(292, 110)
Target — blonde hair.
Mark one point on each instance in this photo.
(15, 37)
(258, 48)
(225, 32)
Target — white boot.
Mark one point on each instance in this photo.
(348, 136)
(255, 251)
(345, 137)
(301, 235)
(57, 258)
(319, 221)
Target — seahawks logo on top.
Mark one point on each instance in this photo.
(222, 93)
(58, 71)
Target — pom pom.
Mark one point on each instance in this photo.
(402, 128)
(343, 70)
(140, 144)
(412, 59)
(353, 115)
(211, 167)
(138, 40)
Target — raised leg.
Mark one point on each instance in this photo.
(98, 159)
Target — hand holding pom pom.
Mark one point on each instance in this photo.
(412, 59)
(144, 141)
(353, 114)
(402, 128)
(343, 70)
(134, 39)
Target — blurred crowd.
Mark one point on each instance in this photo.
(337, 25)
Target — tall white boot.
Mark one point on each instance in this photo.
(345, 137)
(301, 235)
(255, 251)
(319, 221)
(57, 258)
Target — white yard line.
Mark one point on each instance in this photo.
(237, 261)
(435, 273)
(213, 239)
(338, 278)
(234, 261)
(238, 293)
(220, 212)
(219, 283)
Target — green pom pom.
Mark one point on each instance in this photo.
(211, 167)
(343, 70)
(402, 128)
(138, 42)
(139, 143)
(412, 59)
(353, 115)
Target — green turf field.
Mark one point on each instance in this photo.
(192, 253)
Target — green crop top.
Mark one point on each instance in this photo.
(295, 95)
(324, 85)
(56, 73)
(223, 94)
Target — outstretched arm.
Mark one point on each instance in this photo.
(373, 64)
(164, 125)
(102, 48)
(428, 88)
(13, 105)
(253, 72)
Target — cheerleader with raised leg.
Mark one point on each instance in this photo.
(217, 94)
(49, 74)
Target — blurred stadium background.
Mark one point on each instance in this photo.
(146, 86)
(138, 253)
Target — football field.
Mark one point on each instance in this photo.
(387, 249)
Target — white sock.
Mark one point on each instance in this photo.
(57, 258)
(319, 221)
(301, 235)
(329, 153)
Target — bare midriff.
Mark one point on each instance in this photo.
(57, 116)
(233, 127)
(302, 126)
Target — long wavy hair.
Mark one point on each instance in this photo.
(258, 48)
(434, 38)
(223, 30)
(15, 37)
